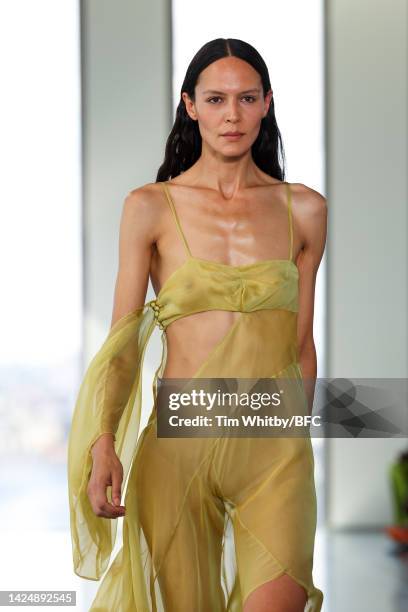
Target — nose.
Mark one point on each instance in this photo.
(232, 113)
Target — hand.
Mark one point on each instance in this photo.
(107, 470)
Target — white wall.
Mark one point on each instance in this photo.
(126, 91)
(126, 117)
(367, 242)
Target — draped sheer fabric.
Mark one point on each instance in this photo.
(208, 520)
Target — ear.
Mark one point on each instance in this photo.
(268, 99)
(190, 106)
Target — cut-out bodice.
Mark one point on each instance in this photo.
(200, 285)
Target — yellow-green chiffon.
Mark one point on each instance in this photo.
(207, 519)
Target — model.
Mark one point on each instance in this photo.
(232, 249)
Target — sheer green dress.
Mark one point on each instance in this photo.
(208, 520)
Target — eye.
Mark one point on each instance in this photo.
(251, 98)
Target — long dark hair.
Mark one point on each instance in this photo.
(183, 146)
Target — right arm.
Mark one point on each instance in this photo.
(137, 236)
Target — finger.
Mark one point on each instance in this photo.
(115, 509)
(111, 511)
(108, 510)
(103, 506)
(116, 488)
(107, 515)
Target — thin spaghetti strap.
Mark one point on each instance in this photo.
(289, 195)
(173, 209)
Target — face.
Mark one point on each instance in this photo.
(229, 98)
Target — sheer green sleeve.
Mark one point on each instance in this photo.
(109, 400)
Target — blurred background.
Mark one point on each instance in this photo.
(89, 91)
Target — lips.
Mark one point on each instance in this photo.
(232, 136)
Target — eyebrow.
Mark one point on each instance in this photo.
(213, 91)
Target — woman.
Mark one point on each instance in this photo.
(233, 250)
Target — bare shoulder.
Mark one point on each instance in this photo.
(143, 205)
(310, 219)
(144, 199)
(307, 201)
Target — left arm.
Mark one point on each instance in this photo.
(310, 223)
